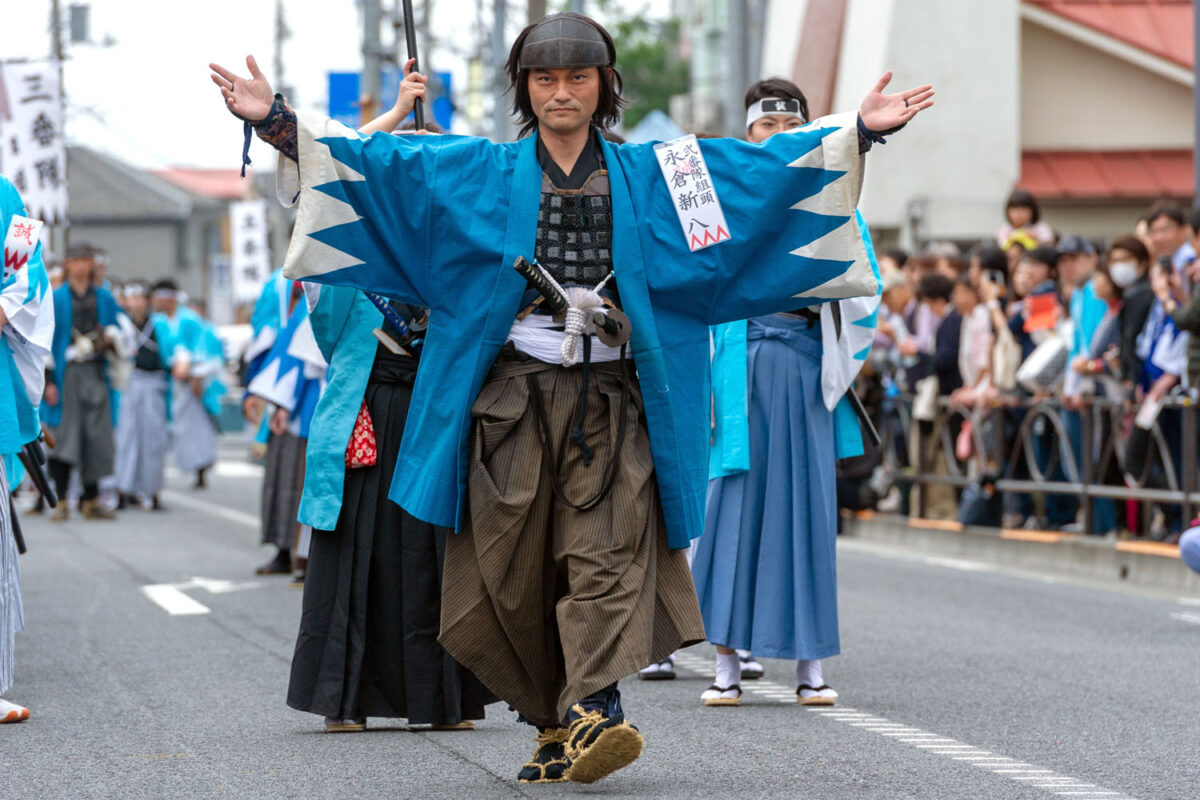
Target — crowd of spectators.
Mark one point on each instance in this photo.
(979, 343)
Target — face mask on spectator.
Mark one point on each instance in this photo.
(1123, 273)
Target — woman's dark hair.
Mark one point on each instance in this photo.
(780, 88)
(1133, 245)
(1023, 199)
(608, 110)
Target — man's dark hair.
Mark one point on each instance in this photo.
(895, 254)
(780, 88)
(1044, 255)
(83, 250)
(1023, 199)
(165, 285)
(430, 125)
(1168, 209)
(608, 110)
(935, 286)
(1194, 220)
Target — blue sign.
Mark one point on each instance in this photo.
(344, 96)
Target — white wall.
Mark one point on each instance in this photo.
(960, 159)
(1076, 97)
(784, 19)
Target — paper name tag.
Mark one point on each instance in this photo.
(694, 196)
(19, 243)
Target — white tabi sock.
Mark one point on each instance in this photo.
(809, 672)
(729, 670)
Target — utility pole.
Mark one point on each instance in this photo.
(736, 80)
(577, 6)
(282, 34)
(372, 65)
(501, 122)
(537, 10)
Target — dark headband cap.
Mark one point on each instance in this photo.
(563, 42)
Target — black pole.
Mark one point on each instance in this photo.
(410, 36)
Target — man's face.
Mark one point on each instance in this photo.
(564, 100)
(1166, 236)
(897, 299)
(78, 270)
(136, 305)
(166, 305)
(766, 127)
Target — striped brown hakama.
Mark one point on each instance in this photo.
(544, 603)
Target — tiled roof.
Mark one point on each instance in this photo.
(1107, 174)
(1160, 27)
(220, 184)
(102, 187)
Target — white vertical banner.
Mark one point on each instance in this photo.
(33, 154)
(251, 254)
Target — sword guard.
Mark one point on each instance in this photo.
(612, 327)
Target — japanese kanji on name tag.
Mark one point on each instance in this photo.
(19, 243)
(692, 192)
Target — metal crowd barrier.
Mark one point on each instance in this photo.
(1170, 477)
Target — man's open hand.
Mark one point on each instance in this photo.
(248, 98)
(882, 112)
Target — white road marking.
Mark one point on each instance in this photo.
(1189, 601)
(929, 742)
(212, 509)
(173, 601)
(224, 468)
(1186, 616)
(958, 563)
(170, 596)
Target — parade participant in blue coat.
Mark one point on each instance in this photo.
(289, 382)
(81, 402)
(26, 336)
(198, 358)
(142, 438)
(575, 478)
(765, 568)
(372, 592)
(269, 316)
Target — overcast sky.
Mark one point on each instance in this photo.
(148, 98)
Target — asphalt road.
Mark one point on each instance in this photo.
(958, 680)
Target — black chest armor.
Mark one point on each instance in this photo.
(574, 232)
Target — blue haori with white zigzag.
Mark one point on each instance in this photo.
(437, 221)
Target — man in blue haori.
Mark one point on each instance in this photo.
(575, 479)
(81, 399)
(26, 333)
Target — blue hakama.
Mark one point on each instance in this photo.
(765, 568)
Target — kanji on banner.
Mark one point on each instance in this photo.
(33, 154)
(251, 255)
(692, 193)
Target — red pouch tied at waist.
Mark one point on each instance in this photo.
(361, 451)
